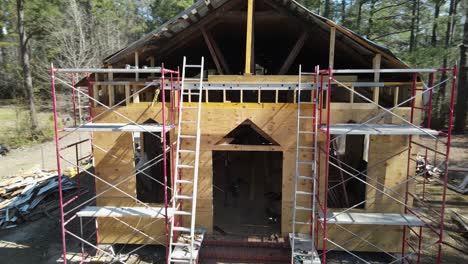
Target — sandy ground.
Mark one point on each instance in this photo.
(24, 160)
(40, 241)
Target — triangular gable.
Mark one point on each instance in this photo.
(190, 22)
(247, 133)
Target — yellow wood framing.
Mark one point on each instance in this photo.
(249, 38)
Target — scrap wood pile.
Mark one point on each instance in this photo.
(26, 198)
(432, 173)
(426, 169)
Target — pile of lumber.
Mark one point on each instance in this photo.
(26, 198)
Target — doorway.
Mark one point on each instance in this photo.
(247, 192)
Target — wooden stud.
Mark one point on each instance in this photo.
(127, 94)
(395, 98)
(206, 96)
(111, 94)
(259, 96)
(152, 64)
(224, 96)
(95, 94)
(137, 76)
(136, 97)
(364, 43)
(241, 96)
(331, 55)
(293, 54)
(249, 38)
(110, 88)
(376, 66)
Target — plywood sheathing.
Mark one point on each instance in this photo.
(386, 167)
(218, 119)
(116, 165)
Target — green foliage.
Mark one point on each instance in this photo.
(80, 33)
(163, 10)
(16, 130)
(389, 23)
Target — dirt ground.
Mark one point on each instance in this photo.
(40, 241)
(42, 156)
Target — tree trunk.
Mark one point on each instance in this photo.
(448, 41)
(462, 94)
(359, 15)
(326, 12)
(413, 26)
(371, 19)
(343, 11)
(434, 23)
(27, 77)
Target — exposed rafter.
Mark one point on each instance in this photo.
(294, 52)
(215, 52)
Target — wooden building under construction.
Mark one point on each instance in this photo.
(257, 160)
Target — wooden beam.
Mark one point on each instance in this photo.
(324, 28)
(331, 55)
(137, 76)
(136, 97)
(127, 94)
(209, 5)
(249, 38)
(152, 64)
(396, 96)
(294, 52)
(110, 88)
(260, 16)
(376, 66)
(364, 43)
(215, 52)
(187, 35)
(95, 95)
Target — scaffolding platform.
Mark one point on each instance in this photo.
(372, 219)
(119, 212)
(117, 127)
(303, 248)
(378, 129)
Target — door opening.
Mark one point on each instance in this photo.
(247, 192)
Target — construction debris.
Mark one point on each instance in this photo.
(26, 198)
(429, 171)
(3, 150)
(462, 222)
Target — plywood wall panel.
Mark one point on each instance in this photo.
(279, 122)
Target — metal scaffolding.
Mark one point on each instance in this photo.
(316, 135)
(418, 215)
(74, 210)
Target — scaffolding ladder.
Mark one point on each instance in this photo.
(184, 241)
(303, 236)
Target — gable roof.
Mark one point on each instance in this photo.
(203, 8)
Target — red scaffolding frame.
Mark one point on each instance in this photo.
(67, 215)
(414, 201)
